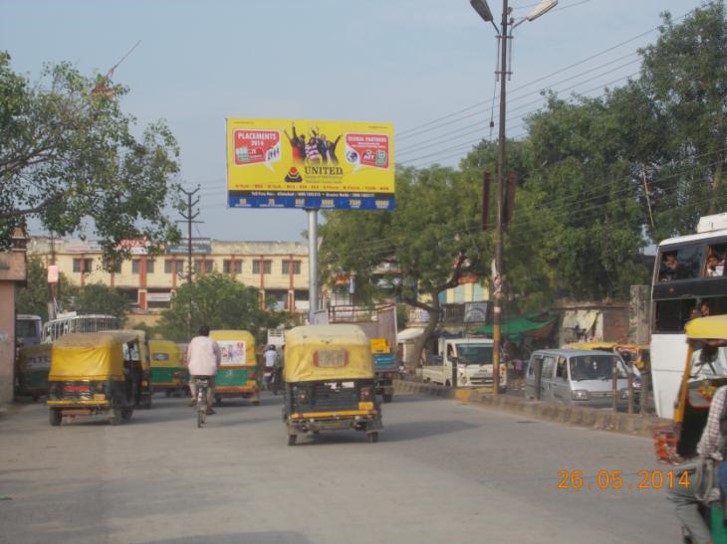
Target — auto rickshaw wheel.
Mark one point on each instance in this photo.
(292, 439)
(373, 437)
(126, 413)
(388, 397)
(55, 416)
(116, 415)
(146, 402)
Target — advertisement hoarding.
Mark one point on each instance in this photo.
(276, 163)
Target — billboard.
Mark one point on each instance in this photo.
(277, 163)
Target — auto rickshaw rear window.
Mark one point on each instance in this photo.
(330, 358)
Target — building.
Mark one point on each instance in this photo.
(278, 269)
(12, 271)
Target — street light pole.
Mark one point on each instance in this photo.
(483, 10)
(498, 276)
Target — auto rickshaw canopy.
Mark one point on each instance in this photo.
(165, 353)
(98, 355)
(712, 327)
(327, 352)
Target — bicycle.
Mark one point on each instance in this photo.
(276, 381)
(203, 384)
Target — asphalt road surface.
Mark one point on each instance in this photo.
(443, 472)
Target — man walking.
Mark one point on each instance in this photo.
(203, 359)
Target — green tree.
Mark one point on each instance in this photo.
(67, 154)
(220, 302)
(97, 298)
(33, 297)
(582, 191)
(684, 77)
(432, 239)
(528, 272)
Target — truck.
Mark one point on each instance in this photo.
(473, 359)
(379, 324)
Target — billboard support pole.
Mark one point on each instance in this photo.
(312, 263)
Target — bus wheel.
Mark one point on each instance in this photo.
(55, 416)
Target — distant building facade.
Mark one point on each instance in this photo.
(278, 269)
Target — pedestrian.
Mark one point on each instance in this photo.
(203, 360)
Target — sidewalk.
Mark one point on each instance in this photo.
(594, 418)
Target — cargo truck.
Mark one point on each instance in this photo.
(473, 359)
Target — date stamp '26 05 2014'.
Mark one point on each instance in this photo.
(613, 480)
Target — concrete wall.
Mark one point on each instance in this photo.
(7, 340)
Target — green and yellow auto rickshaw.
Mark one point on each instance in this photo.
(94, 374)
(705, 370)
(239, 374)
(31, 371)
(168, 373)
(330, 382)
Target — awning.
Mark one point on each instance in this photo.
(583, 319)
(531, 325)
(409, 334)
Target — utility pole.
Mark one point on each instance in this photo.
(53, 281)
(498, 276)
(190, 217)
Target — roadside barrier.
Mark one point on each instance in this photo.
(594, 418)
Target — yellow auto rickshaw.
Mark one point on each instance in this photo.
(168, 373)
(239, 373)
(329, 381)
(94, 373)
(705, 370)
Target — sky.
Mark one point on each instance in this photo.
(426, 66)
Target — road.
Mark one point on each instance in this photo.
(443, 472)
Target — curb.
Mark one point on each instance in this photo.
(592, 418)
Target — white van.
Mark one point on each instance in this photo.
(578, 377)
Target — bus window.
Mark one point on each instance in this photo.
(715, 261)
(682, 263)
(672, 315)
(28, 329)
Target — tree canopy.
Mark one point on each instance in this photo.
(69, 154)
(598, 179)
(220, 302)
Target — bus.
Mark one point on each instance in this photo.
(28, 329)
(689, 281)
(55, 328)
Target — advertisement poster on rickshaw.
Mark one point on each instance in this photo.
(234, 352)
(276, 163)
